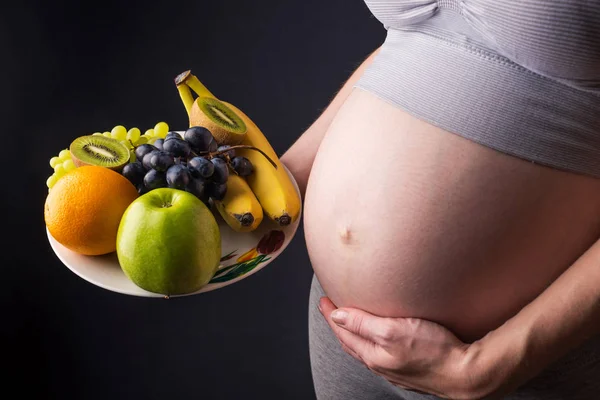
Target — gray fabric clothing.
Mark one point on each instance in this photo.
(338, 376)
(518, 76)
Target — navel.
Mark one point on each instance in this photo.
(345, 234)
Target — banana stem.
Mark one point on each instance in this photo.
(186, 97)
(186, 81)
(189, 79)
(197, 86)
(240, 146)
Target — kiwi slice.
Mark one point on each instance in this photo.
(224, 124)
(99, 150)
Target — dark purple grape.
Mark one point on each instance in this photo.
(172, 135)
(135, 172)
(161, 161)
(200, 139)
(141, 188)
(229, 154)
(178, 177)
(217, 190)
(201, 167)
(197, 188)
(147, 157)
(242, 166)
(158, 143)
(177, 147)
(213, 146)
(221, 172)
(142, 150)
(155, 179)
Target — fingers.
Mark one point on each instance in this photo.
(408, 352)
(368, 326)
(358, 347)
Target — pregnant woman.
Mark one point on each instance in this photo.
(452, 207)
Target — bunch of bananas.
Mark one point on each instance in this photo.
(268, 190)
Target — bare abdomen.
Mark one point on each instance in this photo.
(404, 219)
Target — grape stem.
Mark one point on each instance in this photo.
(239, 146)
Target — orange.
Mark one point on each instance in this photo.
(84, 208)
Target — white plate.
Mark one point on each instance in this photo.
(104, 271)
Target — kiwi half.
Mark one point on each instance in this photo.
(224, 124)
(99, 150)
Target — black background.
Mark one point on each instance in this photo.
(71, 68)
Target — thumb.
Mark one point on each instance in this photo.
(376, 329)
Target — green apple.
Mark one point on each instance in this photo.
(169, 242)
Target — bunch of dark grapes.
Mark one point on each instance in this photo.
(194, 163)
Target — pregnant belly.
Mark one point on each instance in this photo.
(404, 219)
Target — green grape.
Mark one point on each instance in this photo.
(161, 129)
(133, 134)
(131, 156)
(64, 155)
(59, 169)
(68, 165)
(54, 161)
(107, 134)
(142, 140)
(149, 133)
(51, 181)
(97, 134)
(119, 132)
(126, 143)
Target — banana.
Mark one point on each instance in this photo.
(270, 183)
(272, 186)
(240, 208)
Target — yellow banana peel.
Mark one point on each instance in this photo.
(273, 187)
(270, 182)
(240, 208)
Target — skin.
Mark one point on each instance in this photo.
(491, 288)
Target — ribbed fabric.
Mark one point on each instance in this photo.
(519, 76)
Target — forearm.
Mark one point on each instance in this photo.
(565, 315)
(300, 156)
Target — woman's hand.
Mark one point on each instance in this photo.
(411, 353)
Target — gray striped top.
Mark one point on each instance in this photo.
(519, 76)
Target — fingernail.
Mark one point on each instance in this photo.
(320, 309)
(339, 317)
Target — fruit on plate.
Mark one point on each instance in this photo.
(272, 186)
(99, 150)
(209, 112)
(177, 165)
(169, 242)
(84, 208)
(240, 207)
(64, 162)
(269, 180)
(193, 162)
(61, 164)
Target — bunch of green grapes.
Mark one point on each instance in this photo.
(61, 165)
(159, 131)
(130, 138)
